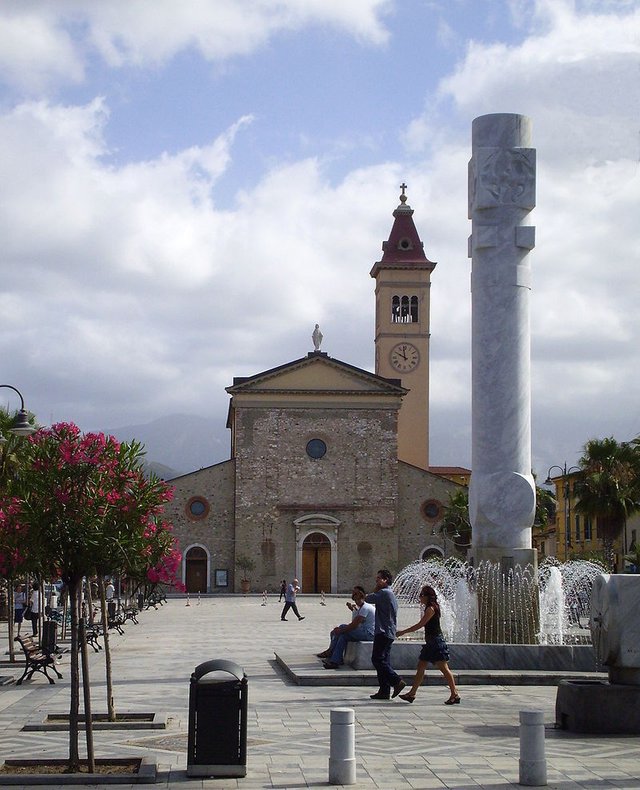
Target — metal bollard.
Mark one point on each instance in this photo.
(342, 747)
(533, 765)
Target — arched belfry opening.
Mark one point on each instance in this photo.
(316, 553)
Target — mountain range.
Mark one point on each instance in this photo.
(178, 443)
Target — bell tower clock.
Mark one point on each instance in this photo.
(403, 282)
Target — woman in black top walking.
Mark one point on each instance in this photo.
(435, 650)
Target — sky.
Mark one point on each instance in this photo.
(187, 188)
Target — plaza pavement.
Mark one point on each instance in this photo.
(423, 745)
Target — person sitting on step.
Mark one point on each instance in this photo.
(360, 629)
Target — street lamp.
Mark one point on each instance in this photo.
(20, 425)
(565, 474)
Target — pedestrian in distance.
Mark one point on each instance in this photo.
(386, 603)
(19, 604)
(283, 589)
(35, 602)
(435, 650)
(290, 601)
(360, 629)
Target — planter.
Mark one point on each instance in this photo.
(124, 721)
(245, 585)
(52, 772)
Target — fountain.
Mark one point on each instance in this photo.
(564, 599)
(558, 598)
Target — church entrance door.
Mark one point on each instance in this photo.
(196, 570)
(316, 563)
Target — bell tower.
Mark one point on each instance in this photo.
(403, 283)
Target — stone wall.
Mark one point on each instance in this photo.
(416, 488)
(355, 483)
(214, 529)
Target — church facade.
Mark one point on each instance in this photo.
(328, 478)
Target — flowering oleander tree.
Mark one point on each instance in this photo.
(130, 545)
(84, 506)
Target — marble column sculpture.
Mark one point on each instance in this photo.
(502, 498)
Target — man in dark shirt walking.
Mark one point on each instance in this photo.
(385, 632)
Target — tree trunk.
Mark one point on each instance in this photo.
(86, 689)
(111, 711)
(10, 626)
(74, 703)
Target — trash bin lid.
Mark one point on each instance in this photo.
(218, 664)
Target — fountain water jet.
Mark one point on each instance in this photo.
(564, 600)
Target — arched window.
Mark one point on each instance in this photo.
(404, 310)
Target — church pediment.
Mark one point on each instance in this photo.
(316, 373)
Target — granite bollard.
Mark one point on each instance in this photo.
(342, 747)
(533, 764)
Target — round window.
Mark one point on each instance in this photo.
(197, 507)
(316, 448)
(431, 509)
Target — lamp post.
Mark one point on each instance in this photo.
(20, 425)
(565, 474)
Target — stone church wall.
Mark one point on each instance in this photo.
(214, 529)
(277, 483)
(420, 494)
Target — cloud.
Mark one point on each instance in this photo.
(44, 43)
(35, 51)
(131, 291)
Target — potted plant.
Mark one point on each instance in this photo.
(245, 564)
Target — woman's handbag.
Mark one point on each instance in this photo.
(28, 614)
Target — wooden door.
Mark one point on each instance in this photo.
(196, 570)
(316, 564)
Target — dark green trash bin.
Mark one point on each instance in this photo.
(49, 638)
(217, 744)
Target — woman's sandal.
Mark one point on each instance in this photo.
(452, 700)
(408, 697)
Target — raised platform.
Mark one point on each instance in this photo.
(545, 658)
(304, 669)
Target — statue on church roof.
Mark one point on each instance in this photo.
(317, 338)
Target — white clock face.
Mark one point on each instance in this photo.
(404, 357)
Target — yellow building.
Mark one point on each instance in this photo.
(573, 535)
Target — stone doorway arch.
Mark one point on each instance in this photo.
(316, 563)
(316, 553)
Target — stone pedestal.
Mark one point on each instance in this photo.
(592, 706)
(613, 707)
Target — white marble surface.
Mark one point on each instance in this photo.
(501, 194)
(615, 621)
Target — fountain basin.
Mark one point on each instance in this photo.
(545, 658)
(599, 707)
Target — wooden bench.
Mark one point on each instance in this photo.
(116, 622)
(130, 613)
(154, 599)
(36, 660)
(91, 634)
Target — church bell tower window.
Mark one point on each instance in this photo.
(404, 310)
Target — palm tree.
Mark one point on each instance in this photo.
(608, 488)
